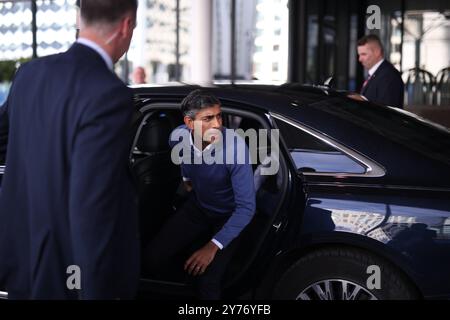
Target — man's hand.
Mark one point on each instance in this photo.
(200, 259)
(356, 97)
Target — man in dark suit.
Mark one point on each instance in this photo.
(384, 84)
(68, 219)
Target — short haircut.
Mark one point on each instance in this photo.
(196, 101)
(371, 38)
(105, 11)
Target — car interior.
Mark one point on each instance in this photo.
(161, 189)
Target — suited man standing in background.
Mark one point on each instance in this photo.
(67, 203)
(384, 84)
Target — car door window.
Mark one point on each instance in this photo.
(311, 154)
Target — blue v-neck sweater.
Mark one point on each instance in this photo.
(225, 188)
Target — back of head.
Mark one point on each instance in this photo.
(105, 11)
(372, 39)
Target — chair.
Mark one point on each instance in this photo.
(419, 87)
(443, 87)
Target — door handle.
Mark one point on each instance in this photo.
(277, 226)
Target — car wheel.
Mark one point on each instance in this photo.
(343, 274)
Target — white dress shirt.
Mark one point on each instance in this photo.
(372, 71)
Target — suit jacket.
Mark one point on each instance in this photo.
(67, 197)
(3, 135)
(385, 86)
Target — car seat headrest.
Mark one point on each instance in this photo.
(154, 134)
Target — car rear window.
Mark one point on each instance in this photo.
(395, 124)
(313, 155)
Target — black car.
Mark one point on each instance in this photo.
(359, 207)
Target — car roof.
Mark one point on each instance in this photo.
(286, 99)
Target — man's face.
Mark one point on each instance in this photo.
(209, 121)
(369, 55)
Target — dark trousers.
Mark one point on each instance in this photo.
(189, 229)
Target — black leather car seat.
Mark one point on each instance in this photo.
(267, 187)
(157, 177)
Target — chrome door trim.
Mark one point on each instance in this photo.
(373, 169)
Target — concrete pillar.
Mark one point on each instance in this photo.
(140, 34)
(201, 45)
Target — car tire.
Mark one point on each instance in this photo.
(342, 274)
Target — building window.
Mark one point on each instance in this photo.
(275, 67)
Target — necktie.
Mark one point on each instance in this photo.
(366, 82)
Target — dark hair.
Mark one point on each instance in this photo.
(197, 100)
(371, 38)
(108, 11)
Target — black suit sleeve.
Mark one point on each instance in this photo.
(98, 172)
(4, 121)
(4, 128)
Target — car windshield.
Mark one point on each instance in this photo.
(395, 124)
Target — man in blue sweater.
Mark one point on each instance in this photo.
(216, 169)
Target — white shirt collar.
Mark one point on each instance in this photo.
(196, 150)
(375, 67)
(99, 50)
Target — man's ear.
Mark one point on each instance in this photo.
(126, 25)
(375, 49)
(189, 122)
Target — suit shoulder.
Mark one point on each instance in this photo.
(89, 70)
(389, 68)
(388, 73)
(38, 63)
(100, 81)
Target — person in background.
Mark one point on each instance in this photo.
(139, 76)
(384, 84)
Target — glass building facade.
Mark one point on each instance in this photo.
(266, 40)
